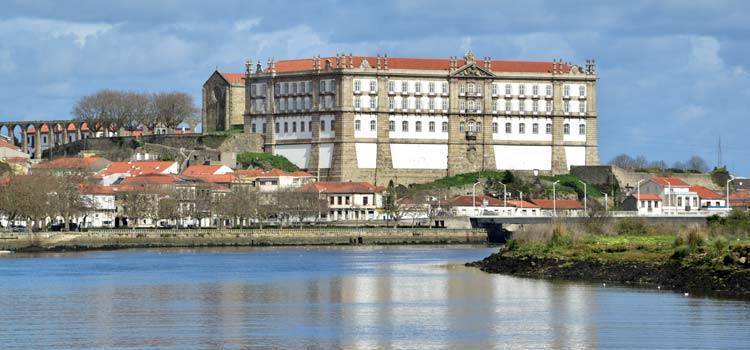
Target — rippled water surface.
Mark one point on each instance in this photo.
(354, 297)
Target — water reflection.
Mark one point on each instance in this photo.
(399, 297)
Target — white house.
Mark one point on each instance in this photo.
(348, 200)
(119, 170)
(675, 194)
(710, 200)
(489, 206)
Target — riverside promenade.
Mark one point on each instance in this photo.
(148, 238)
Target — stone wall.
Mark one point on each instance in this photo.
(251, 237)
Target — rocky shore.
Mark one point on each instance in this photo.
(728, 275)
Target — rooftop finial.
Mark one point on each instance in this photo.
(469, 57)
(248, 66)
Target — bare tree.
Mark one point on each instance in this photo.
(172, 108)
(623, 161)
(168, 207)
(697, 163)
(28, 198)
(66, 198)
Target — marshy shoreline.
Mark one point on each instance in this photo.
(712, 260)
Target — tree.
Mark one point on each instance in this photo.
(623, 161)
(696, 163)
(66, 198)
(168, 207)
(140, 204)
(29, 198)
(173, 108)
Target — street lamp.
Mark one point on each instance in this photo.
(585, 198)
(669, 197)
(554, 198)
(731, 178)
(638, 200)
(474, 197)
(505, 196)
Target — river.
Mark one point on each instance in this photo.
(339, 297)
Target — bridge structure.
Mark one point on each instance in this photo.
(35, 136)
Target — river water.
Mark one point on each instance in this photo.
(412, 297)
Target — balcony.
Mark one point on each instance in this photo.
(471, 135)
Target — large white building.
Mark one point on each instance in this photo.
(413, 120)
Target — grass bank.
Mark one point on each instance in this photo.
(711, 259)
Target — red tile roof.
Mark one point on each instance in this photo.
(217, 179)
(96, 189)
(151, 179)
(571, 204)
(6, 143)
(521, 204)
(647, 197)
(136, 168)
(342, 187)
(234, 78)
(89, 163)
(705, 193)
(194, 170)
(306, 64)
(669, 181)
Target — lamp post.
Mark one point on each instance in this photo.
(669, 197)
(554, 198)
(638, 200)
(585, 198)
(731, 178)
(474, 197)
(505, 196)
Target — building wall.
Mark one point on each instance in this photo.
(379, 125)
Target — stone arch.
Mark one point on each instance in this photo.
(5, 130)
(19, 137)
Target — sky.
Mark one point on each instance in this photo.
(673, 75)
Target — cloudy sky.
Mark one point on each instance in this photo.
(674, 75)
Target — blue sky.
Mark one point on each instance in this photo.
(674, 75)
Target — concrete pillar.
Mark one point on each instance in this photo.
(25, 139)
(78, 132)
(37, 142)
(65, 135)
(314, 160)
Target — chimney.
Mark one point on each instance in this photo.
(385, 64)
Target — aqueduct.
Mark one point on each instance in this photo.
(46, 134)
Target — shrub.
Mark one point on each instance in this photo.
(694, 239)
(681, 252)
(560, 237)
(511, 245)
(265, 161)
(632, 226)
(719, 246)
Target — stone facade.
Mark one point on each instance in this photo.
(223, 102)
(339, 117)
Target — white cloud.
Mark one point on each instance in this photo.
(77, 31)
(246, 24)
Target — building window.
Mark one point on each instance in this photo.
(365, 200)
(322, 125)
(405, 126)
(566, 129)
(333, 125)
(432, 126)
(535, 128)
(294, 88)
(404, 103)
(494, 89)
(276, 127)
(521, 105)
(431, 87)
(322, 86)
(471, 105)
(548, 90)
(521, 89)
(566, 106)
(522, 128)
(445, 127)
(418, 87)
(549, 106)
(253, 127)
(357, 85)
(294, 126)
(404, 86)
(461, 127)
(372, 125)
(418, 103)
(479, 127)
(535, 90)
(357, 125)
(309, 125)
(566, 90)
(432, 104)
(471, 88)
(284, 88)
(390, 103)
(508, 128)
(445, 88)
(277, 89)
(372, 103)
(357, 102)
(445, 104)
(286, 127)
(494, 128)
(391, 125)
(264, 128)
(582, 129)
(391, 86)
(581, 90)
(581, 107)
(302, 126)
(507, 89)
(679, 201)
(418, 126)
(373, 85)
(548, 128)
(535, 106)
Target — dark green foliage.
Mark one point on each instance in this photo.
(632, 226)
(265, 161)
